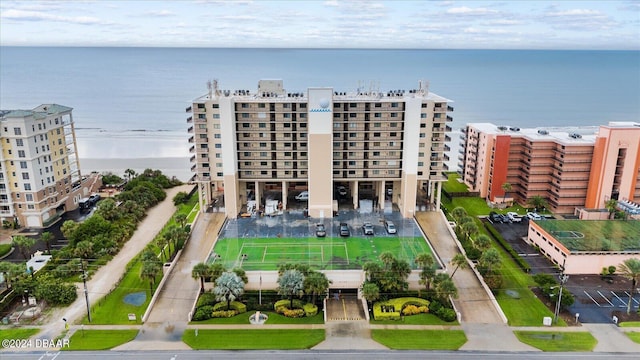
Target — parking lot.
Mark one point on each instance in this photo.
(597, 300)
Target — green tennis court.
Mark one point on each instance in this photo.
(323, 254)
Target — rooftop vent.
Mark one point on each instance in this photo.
(575, 136)
(514, 129)
(502, 128)
(543, 132)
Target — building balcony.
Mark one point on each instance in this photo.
(189, 119)
(188, 109)
(191, 139)
(190, 130)
(192, 159)
(449, 108)
(449, 118)
(192, 149)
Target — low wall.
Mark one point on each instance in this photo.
(156, 294)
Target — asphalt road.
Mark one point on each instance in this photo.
(308, 354)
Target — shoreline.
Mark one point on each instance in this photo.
(179, 167)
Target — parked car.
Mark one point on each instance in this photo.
(495, 217)
(367, 228)
(534, 216)
(321, 231)
(303, 196)
(342, 191)
(344, 229)
(390, 227)
(514, 217)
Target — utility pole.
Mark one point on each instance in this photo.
(563, 280)
(86, 292)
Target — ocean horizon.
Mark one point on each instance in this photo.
(129, 102)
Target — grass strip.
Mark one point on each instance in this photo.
(558, 341)
(630, 324)
(634, 336)
(17, 333)
(420, 339)
(263, 339)
(274, 318)
(99, 339)
(419, 319)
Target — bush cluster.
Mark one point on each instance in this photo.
(415, 310)
(300, 309)
(237, 306)
(203, 313)
(224, 314)
(446, 314)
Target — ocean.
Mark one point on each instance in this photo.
(129, 103)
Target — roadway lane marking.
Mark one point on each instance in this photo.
(344, 308)
(605, 299)
(634, 299)
(592, 299)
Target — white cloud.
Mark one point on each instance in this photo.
(26, 15)
(504, 22)
(466, 11)
(237, 17)
(578, 19)
(160, 13)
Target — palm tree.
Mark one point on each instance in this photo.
(23, 244)
(370, 292)
(538, 202)
(469, 229)
(129, 174)
(200, 271)
(506, 187)
(47, 238)
(489, 260)
(181, 219)
(229, 287)
(482, 242)
(426, 262)
(84, 249)
(630, 269)
(163, 242)
(291, 283)
(460, 262)
(315, 284)
(612, 206)
(149, 271)
(215, 270)
(444, 287)
(458, 213)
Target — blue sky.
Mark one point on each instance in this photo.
(563, 24)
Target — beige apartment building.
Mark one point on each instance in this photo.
(39, 172)
(372, 144)
(572, 168)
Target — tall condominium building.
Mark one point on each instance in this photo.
(570, 168)
(370, 143)
(39, 173)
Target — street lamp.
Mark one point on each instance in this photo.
(563, 279)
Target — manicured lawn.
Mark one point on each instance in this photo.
(99, 339)
(558, 341)
(453, 185)
(4, 249)
(17, 333)
(635, 336)
(325, 254)
(420, 339)
(630, 324)
(272, 339)
(274, 318)
(419, 319)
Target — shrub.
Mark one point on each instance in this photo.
(237, 306)
(310, 309)
(496, 235)
(293, 313)
(435, 306)
(285, 303)
(203, 313)
(206, 299)
(378, 314)
(224, 314)
(410, 310)
(544, 279)
(180, 198)
(4, 249)
(445, 314)
(423, 309)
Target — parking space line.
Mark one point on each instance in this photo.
(592, 299)
(618, 297)
(264, 254)
(634, 299)
(605, 298)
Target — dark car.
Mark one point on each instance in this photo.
(344, 229)
(321, 231)
(495, 217)
(367, 228)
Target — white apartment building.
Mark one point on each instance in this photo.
(39, 172)
(374, 144)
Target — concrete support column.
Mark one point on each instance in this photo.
(201, 190)
(431, 192)
(382, 194)
(438, 195)
(257, 194)
(284, 195)
(354, 193)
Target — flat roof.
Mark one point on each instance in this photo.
(595, 235)
(565, 135)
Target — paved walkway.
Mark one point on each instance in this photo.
(348, 335)
(611, 339)
(104, 279)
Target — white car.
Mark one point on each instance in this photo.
(533, 216)
(390, 227)
(303, 196)
(514, 217)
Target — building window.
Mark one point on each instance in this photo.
(18, 131)
(27, 187)
(25, 176)
(23, 164)
(21, 153)
(218, 146)
(216, 106)
(423, 135)
(216, 116)
(246, 125)
(377, 115)
(376, 134)
(18, 142)
(376, 124)
(262, 125)
(393, 124)
(263, 154)
(263, 144)
(394, 115)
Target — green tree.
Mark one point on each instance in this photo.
(180, 198)
(395, 274)
(83, 249)
(469, 229)
(68, 228)
(129, 174)
(488, 262)
(229, 287)
(458, 213)
(316, 283)
(47, 238)
(370, 292)
(290, 284)
(506, 187)
(54, 291)
(460, 262)
(305, 269)
(482, 242)
(538, 202)
(181, 219)
(427, 264)
(241, 274)
(11, 271)
(176, 235)
(200, 271)
(630, 269)
(151, 268)
(444, 287)
(23, 244)
(109, 209)
(215, 270)
(612, 206)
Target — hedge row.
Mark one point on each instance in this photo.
(235, 305)
(391, 309)
(300, 309)
(496, 235)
